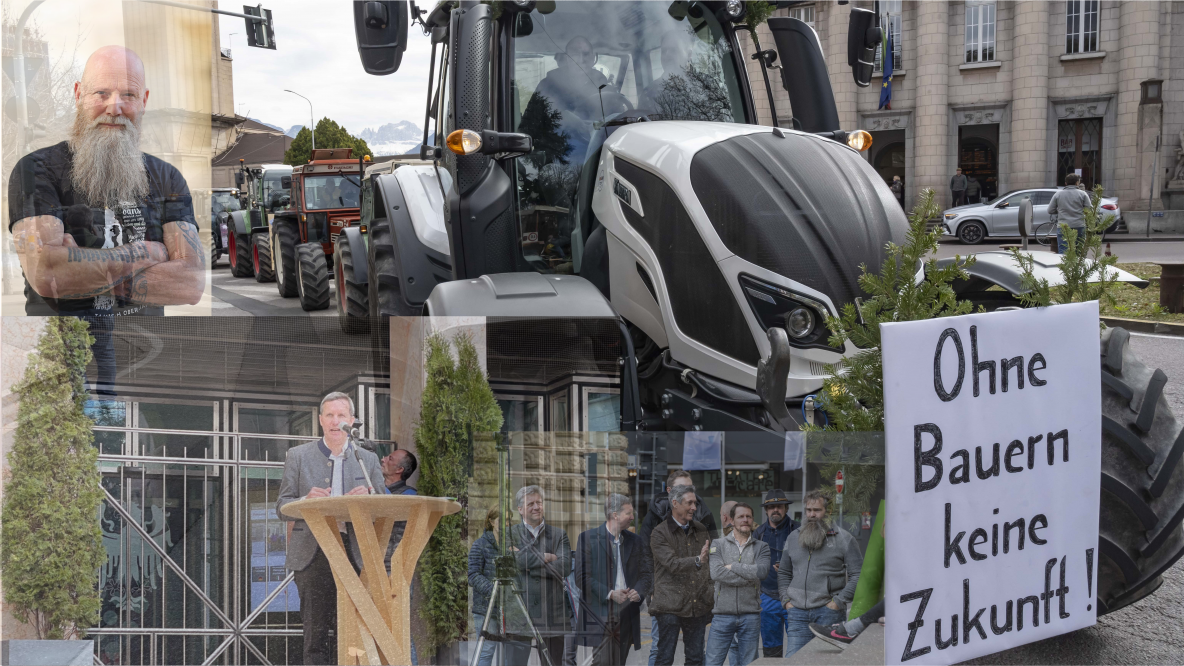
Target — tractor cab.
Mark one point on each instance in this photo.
(325, 198)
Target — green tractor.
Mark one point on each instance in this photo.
(265, 190)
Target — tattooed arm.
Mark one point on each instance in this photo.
(57, 268)
(181, 279)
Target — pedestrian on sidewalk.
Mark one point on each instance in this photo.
(897, 188)
(958, 187)
(738, 563)
(815, 556)
(774, 531)
(973, 187)
(683, 595)
(659, 511)
(1068, 205)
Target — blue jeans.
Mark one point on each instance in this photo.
(653, 640)
(772, 622)
(1063, 245)
(798, 629)
(486, 658)
(724, 628)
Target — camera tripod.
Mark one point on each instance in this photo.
(506, 595)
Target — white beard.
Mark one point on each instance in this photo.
(108, 165)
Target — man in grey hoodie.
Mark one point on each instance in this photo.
(1069, 206)
(818, 573)
(738, 563)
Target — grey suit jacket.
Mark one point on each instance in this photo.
(308, 466)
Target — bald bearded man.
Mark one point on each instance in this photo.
(100, 227)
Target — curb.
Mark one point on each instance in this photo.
(1143, 326)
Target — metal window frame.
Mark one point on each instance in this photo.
(980, 42)
(585, 391)
(895, 11)
(1083, 20)
(539, 401)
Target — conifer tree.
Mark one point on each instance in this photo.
(457, 401)
(51, 546)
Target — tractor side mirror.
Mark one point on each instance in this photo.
(285, 182)
(803, 73)
(238, 179)
(381, 32)
(862, 38)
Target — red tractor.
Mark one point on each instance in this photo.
(325, 199)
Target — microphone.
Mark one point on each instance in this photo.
(355, 432)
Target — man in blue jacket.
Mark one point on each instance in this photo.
(774, 532)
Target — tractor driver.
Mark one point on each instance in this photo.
(676, 57)
(574, 86)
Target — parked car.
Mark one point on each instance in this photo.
(1000, 216)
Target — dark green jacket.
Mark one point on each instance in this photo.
(542, 583)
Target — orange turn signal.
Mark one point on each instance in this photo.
(464, 142)
(859, 140)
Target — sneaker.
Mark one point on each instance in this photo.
(835, 634)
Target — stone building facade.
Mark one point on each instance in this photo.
(1030, 92)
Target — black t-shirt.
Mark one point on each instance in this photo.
(41, 184)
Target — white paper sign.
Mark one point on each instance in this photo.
(993, 435)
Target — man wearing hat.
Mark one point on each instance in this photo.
(774, 531)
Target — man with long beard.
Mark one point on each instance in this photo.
(100, 227)
(818, 573)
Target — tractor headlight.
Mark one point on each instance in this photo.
(735, 9)
(799, 323)
(802, 317)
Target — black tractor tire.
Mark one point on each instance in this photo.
(353, 309)
(1140, 534)
(285, 239)
(972, 232)
(385, 293)
(240, 255)
(312, 277)
(261, 258)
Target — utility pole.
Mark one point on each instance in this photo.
(312, 126)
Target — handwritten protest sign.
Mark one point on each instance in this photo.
(993, 436)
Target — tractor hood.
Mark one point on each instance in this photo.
(800, 206)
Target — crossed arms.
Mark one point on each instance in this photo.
(144, 272)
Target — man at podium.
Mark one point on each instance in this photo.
(324, 468)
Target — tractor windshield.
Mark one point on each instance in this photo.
(581, 64)
(325, 192)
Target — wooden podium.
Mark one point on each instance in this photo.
(373, 612)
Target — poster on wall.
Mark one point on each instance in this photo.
(993, 436)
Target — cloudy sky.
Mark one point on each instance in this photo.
(316, 55)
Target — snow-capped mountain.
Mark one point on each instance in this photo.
(293, 130)
(392, 138)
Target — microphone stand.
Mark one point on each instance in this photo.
(353, 438)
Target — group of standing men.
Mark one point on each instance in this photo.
(751, 584)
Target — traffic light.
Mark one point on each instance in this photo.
(259, 30)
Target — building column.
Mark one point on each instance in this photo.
(834, 46)
(1138, 61)
(1029, 93)
(932, 113)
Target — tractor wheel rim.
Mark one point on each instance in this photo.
(233, 253)
(340, 271)
(255, 253)
(279, 265)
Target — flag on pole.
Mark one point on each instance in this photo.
(886, 59)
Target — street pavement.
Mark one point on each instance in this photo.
(1127, 251)
(233, 296)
